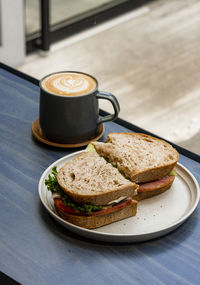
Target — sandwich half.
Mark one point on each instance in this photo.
(142, 159)
(91, 193)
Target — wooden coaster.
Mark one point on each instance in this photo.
(37, 133)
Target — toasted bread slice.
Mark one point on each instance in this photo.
(90, 179)
(92, 222)
(140, 157)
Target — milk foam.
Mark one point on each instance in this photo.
(69, 84)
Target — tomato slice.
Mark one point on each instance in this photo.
(59, 203)
(113, 208)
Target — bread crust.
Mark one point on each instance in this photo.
(152, 174)
(103, 198)
(92, 222)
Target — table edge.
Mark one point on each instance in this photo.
(119, 121)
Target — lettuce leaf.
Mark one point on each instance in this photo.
(90, 148)
(172, 173)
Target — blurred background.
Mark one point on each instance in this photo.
(144, 52)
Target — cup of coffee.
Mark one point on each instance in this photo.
(69, 109)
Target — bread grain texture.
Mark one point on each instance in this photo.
(89, 179)
(139, 157)
(92, 222)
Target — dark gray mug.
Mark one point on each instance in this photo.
(72, 117)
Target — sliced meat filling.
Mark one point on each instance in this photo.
(154, 185)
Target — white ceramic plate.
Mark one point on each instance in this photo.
(156, 216)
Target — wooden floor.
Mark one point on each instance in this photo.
(150, 61)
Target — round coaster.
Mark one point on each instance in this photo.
(37, 133)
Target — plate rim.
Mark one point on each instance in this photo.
(103, 236)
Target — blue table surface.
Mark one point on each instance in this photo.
(35, 249)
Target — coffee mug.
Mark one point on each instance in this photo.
(69, 109)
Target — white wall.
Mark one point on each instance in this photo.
(12, 32)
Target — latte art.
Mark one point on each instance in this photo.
(69, 84)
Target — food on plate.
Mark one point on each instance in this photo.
(142, 159)
(103, 184)
(90, 192)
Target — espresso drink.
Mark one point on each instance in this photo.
(69, 84)
(69, 107)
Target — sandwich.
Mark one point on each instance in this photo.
(89, 192)
(142, 159)
(103, 184)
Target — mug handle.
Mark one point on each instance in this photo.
(110, 97)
